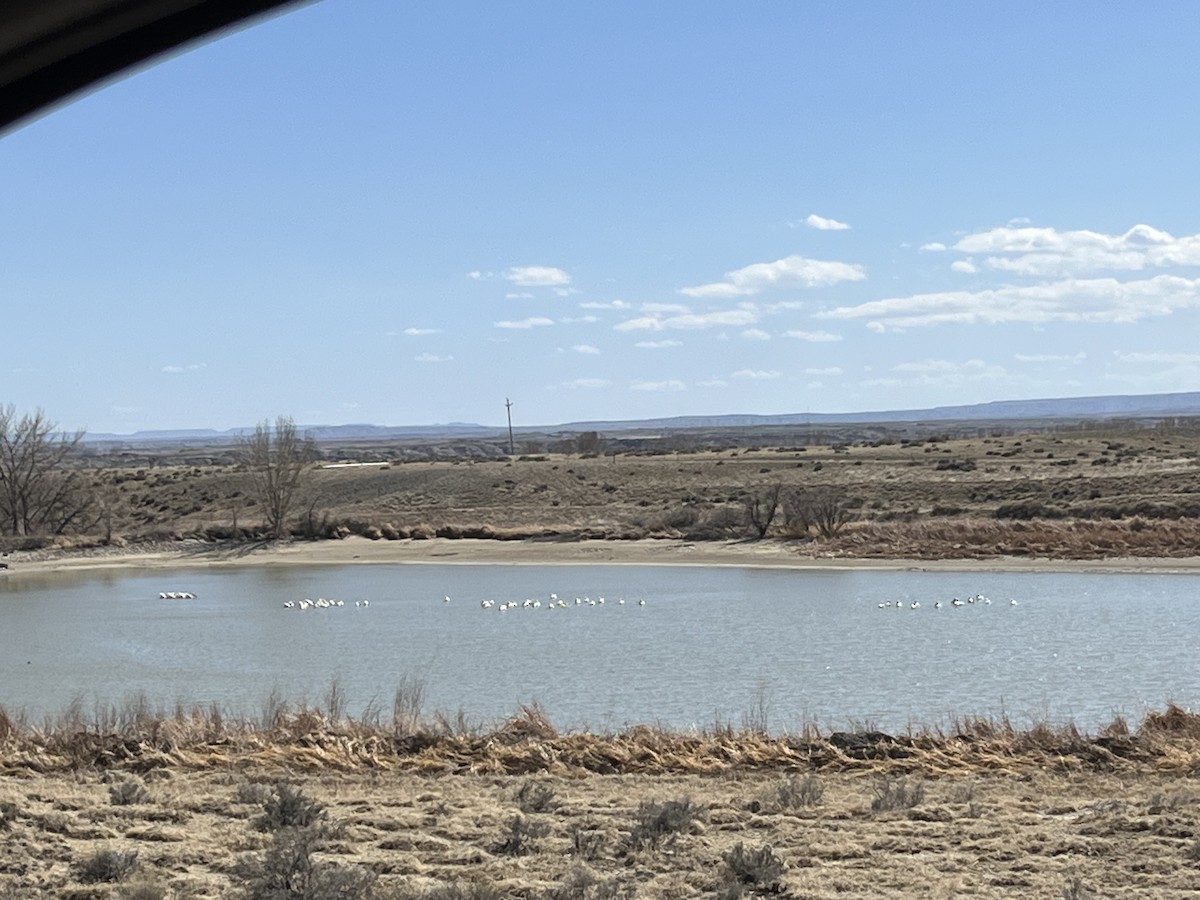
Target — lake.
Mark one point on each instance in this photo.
(709, 645)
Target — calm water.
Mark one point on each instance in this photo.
(710, 644)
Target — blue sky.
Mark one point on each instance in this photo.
(403, 214)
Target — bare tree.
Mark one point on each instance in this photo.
(825, 508)
(40, 493)
(278, 457)
(761, 506)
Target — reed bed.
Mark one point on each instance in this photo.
(137, 738)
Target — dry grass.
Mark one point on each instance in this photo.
(642, 813)
(1078, 494)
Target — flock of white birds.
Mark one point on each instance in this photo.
(552, 602)
(176, 595)
(321, 603)
(973, 600)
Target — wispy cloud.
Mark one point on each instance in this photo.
(933, 247)
(531, 322)
(813, 337)
(537, 276)
(757, 374)
(712, 383)
(672, 384)
(791, 271)
(1049, 252)
(691, 321)
(585, 348)
(665, 308)
(431, 358)
(823, 224)
(1157, 358)
(964, 266)
(606, 304)
(176, 370)
(756, 334)
(827, 370)
(1097, 300)
(417, 332)
(586, 383)
(1072, 358)
(658, 345)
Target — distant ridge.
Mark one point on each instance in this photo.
(1119, 406)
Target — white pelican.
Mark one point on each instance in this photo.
(641, 603)
(937, 604)
(366, 603)
(916, 604)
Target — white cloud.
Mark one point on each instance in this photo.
(537, 276)
(757, 374)
(531, 322)
(1049, 252)
(1157, 358)
(813, 337)
(791, 271)
(586, 383)
(417, 332)
(673, 384)
(1098, 300)
(660, 308)
(1018, 221)
(965, 266)
(756, 334)
(586, 320)
(658, 345)
(712, 383)
(828, 370)
(431, 358)
(1074, 358)
(475, 275)
(585, 348)
(927, 366)
(175, 370)
(518, 295)
(690, 321)
(610, 304)
(934, 247)
(823, 224)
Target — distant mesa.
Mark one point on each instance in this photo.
(1131, 406)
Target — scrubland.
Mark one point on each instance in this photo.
(188, 804)
(1078, 494)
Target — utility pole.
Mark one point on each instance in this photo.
(508, 409)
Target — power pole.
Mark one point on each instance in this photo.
(508, 409)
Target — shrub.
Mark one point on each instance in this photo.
(287, 871)
(535, 797)
(105, 866)
(521, 837)
(759, 868)
(797, 793)
(143, 890)
(587, 841)
(657, 822)
(724, 521)
(287, 807)
(582, 884)
(128, 793)
(254, 792)
(891, 794)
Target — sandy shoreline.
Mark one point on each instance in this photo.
(354, 550)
